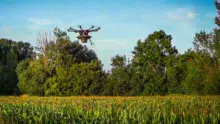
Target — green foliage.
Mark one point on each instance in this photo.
(11, 53)
(176, 73)
(196, 71)
(79, 79)
(151, 59)
(25, 51)
(119, 78)
(31, 77)
(62, 68)
(88, 78)
(203, 68)
(217, 20)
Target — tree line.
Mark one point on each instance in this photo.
(59, 67)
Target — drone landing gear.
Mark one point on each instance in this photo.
(77, 41)
(91, 42)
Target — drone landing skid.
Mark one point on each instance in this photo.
(91, 42)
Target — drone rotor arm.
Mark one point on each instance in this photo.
(90, 28)
(81, 28)
(73, 30)
(94, 30)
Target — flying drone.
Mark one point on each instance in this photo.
(84, 34)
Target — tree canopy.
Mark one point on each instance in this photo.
(11, 53)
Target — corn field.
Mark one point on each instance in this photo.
(114, 110)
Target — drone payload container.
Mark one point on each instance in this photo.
(84, 38)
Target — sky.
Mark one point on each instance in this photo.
(122, 22)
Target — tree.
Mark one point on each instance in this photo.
(151, 59)
(25, 51)
(10, 55)
(31, 77)
(177, 72)
(79, 79)
(119, 78)
(203, 71)
(60, 67)
(58, 49)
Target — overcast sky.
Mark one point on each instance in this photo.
(122, 22)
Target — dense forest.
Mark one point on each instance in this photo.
(60, 67)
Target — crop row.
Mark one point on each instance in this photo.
(128, 110)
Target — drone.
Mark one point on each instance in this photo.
(84, 34)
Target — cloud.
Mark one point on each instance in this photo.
(181, 14)
(7, 28)
(40, 21)
(210, 15)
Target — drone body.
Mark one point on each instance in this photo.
(84, 34)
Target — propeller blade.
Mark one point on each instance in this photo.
(73, 30)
